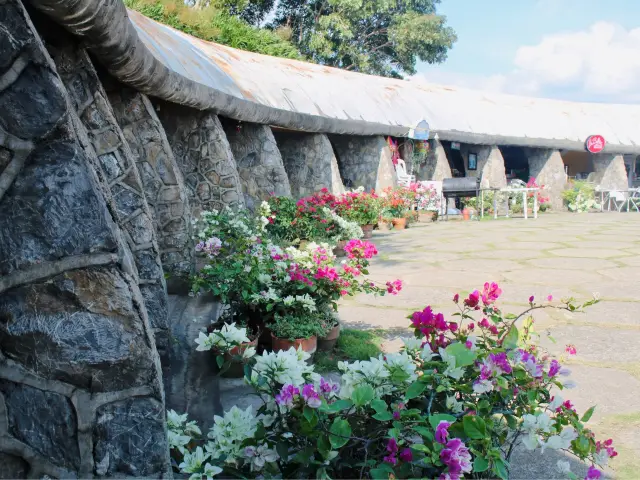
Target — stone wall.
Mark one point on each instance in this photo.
(161, 178)
(310, 163)
(80, 386)
(117, 170)
(436, 167)
(547, 167)
(610, 171)
(204, 156)
(364, 161)
(490, 165)
(258, 160)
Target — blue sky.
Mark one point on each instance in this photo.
(587, 50)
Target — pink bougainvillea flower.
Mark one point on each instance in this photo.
(442, 431)
(531, 299)
(286, 395)
(550, 298)
(356, 248)
(406, 455)
(571, 349)
(473, 299)
(456, 298)
(593, 473)
(310, 396)
(490, 293)
(554, 368)
(390, 459)
(394, 287)
(456, 457)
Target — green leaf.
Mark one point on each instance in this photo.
(500, 468)
(512, 421)
(587, 415)
(283, 449)
(511, 340)
(336, 406)
(474, 427)
(532, 396)
(363, 395)
(379, 405)
(462, 354)
(383, 416)
(219, 360)
(480, 464)
(434, 420)
(415, 389)
(419, 447)
(424, 431)
(322, 474)
(324, 446)
(382, 472)
(340, 433)
(502, 382)
(309, 413)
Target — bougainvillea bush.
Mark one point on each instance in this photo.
(397, 202)
(257, 278)
(453, 403)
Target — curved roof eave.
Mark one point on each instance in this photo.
(246, 86)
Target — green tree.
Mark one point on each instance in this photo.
(380, 37)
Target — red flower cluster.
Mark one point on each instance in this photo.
(394, 287)
(356, 248)
(434, 325)
(297, 274)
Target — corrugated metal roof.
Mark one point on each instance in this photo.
(455, 113)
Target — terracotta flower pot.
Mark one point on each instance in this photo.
(309, 345)
(326, 344)
(338, 251)
(236, 369)
(466, 214)
(383, 224)
(367, 230)
(399, 223)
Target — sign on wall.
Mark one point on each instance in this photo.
(455, 145)
(595, 143)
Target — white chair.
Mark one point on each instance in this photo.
(618, 198)
(401, 173)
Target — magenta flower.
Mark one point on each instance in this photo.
(550, 298)
(406, 455)
(396, 415)
(456, 457)
(456, 298)
(471, 326)
(328, 387)
(392, 446)
(286, 395)
(473, 299)
(390, 459)
(442, 431)
(490, 293)
(571, 349)
(310, 396)
(554, 368)
(531, 298)
(356, 248)
(593, 473)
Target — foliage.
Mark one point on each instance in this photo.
(427, 197)
(229, 341)
(458, 398)
(397, 202)
(376, 37)
(351, 345)
(216, 23)
(290, 327)
(581, 197)
(357, 206)
(257, 278)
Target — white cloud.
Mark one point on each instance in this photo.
(603, 60)
(601, 63)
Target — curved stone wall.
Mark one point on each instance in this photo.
(80, 384)
(364, 161)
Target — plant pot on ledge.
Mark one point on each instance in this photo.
(367, 230)
(309, 345)
(236, 369)
(328, 342)
(399, 223)
(338, 251)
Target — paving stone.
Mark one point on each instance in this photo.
(590, 253)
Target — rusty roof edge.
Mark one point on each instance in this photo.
(105, 29)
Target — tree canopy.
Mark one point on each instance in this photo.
(380, 37)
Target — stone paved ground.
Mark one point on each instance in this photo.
(558, 254)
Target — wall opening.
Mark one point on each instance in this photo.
(578, 164)
(516, 163)
(455, 158)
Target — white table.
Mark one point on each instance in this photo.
(631, 197)
(508, 191)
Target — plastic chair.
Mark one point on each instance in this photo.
(401, 173)
(618, 198)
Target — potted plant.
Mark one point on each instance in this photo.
(360, 207)
(232, 347)
(295, 330)
(330, 331)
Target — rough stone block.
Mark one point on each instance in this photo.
(45, 421)
(12, 467)
(129, 438)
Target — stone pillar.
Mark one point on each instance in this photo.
(258, 160)
(204, 156)
(117, 168)
(80, 383)
(310, 163)
(162, 181)
(610, 171)
(364, 161)
(436, 166)
(490, 165)
(547, 167)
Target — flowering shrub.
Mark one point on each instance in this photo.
(259, 279)
(454, 402)
(229, 341)
(580, 197)
(427, 197)
(398, 201)
(543, 202)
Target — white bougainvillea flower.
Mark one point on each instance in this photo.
(205, 342)
(451, 370)
(412, 343)
(454, 405)
(192, 462)
(210, 471)
(562, 441)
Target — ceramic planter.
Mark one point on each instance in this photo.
(326, 344)
(367, 230)
(236, 369)
(309, 345)
(338, 251)
(399, 223)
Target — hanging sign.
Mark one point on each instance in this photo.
(595, 143)
(420, 131)
(455, 145)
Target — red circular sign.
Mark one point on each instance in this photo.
(595, 143)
